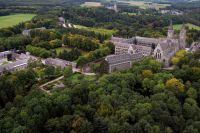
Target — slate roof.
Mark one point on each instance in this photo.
(169, 46)
(13, 65)
(146, 40)
(139, 39)
(140, 48)
(5, 53)
(59, 62)
(123, 44)
(195, 46)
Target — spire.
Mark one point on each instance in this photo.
(170, 30)
(171, 25)
(115, 6)
(183, 26)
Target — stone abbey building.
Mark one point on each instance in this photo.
(162, 49)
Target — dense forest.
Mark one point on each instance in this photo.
(143, 99)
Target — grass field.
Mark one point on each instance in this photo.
(145, 5)
(11, 20)
(91, 4)
(61, 49)
(128, 13)
(97, 30)
(191, 26)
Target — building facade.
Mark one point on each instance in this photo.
(122, 61)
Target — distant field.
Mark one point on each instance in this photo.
(145, 5)
(97, 30)
(91, 4)
(191, 26)
(11, 20)
(128, 13)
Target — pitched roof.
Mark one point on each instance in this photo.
(13, 65)
(146, 40)
(169, 44)
(123, 44)
(5, 53)
(58, 62)
(195, 46)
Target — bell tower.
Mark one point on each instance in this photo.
(182, 37)
(115, 6)
(170, 30)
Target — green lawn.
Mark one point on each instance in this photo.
(191, 26)
(61, 49)
(128, 13)
(144, 5)
(91, 4)
(97, 30)
(11, 20)
(75, 78)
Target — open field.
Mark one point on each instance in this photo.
(128, 13)
(11, 20)
(91, 4)
(191, 26)
(97, 30)
(145, 5)
(61, 49)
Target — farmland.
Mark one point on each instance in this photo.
(97, 30)
(11, 20)
(191, 26)
(91, 4)
(145, 5)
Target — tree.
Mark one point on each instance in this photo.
(68, 72)
(147, 73)
(49, 71)
(175, 60)
(192, 93)
(179, 55)
(175, 84)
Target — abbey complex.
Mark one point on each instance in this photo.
(128, 51)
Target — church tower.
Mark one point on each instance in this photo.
(182, 37)
(115, 6)
(170, 30)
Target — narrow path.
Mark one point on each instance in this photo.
(59, 78)
(47, 91)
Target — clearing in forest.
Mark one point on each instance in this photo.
(191, 26)
(91, 4)
(11, 20)
(97, 30)
(145, 5)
